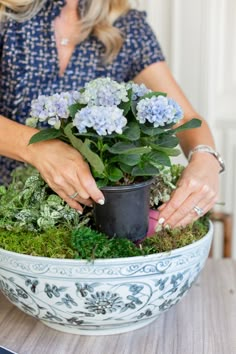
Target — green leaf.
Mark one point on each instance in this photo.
(151, 131)
(102, 182)
(87, 135)
(126, 105)
(132, 131)
(114, 174)
(84, 148)
(167, 151)
(125, 168)
(193, 123)
(153, 94)
(159, 158)
(74, 108)
(133, 108)
(166, 140)
(93, 159)
(146, 170)
(95, 174)
(76, 143)
(130, 160)
(45, 134)
(124, 148)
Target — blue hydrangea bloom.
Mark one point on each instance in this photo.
(52, 109)
(137, 90)
(103, 120)
(159, 111)
(38, 108)
(104, 92)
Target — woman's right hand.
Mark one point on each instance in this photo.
(66, 172)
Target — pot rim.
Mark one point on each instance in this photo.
(132, 186)
(116, 261)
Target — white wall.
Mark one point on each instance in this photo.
(199, 40)
(159, 16)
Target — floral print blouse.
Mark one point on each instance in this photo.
(29, 62)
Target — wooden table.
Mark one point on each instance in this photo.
(204, 322)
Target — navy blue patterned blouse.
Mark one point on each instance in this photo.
(29, 62)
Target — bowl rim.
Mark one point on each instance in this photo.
(102, 261)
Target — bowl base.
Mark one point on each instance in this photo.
(99, 331)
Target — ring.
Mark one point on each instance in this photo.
(199, 211)
(73, 196)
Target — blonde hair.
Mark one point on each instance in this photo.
(98, 19)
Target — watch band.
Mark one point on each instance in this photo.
(209, 150)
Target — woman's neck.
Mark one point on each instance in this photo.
(67, 29)
(71, 4)
(69, 12)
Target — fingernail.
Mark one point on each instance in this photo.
(158, 228)
(79, 212)
(161, 221)
(101, 201)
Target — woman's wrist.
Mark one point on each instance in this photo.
(207, 150)
(14, 140)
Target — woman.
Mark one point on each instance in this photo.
(48, 46)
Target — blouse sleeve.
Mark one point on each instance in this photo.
(144, 46)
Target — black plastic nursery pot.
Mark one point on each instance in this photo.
(125, 212)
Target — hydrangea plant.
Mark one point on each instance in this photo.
(123, 130)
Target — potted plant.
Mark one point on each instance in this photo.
(57, 268)
(57, 265)
(125, 132)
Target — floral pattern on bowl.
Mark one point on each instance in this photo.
(105, 296)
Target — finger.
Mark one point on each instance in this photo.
(73, 184)
(88, 185)
(206, 203)
(76, 196)
(183, 199)
(78, 179)
(184, 209)
(77, 192)
(162, 206)
(72, 187)
(177, 199)
(87, 202)
(192, 216)
(71, 202)
(72, 196)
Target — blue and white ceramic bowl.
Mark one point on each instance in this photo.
(104, 297)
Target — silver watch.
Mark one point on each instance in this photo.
(210, 150)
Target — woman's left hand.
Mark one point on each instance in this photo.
(196, 192)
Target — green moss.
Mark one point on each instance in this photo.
(167, 240)
(35, 221)
(53, 243)
(85, 243)
(91, 244)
